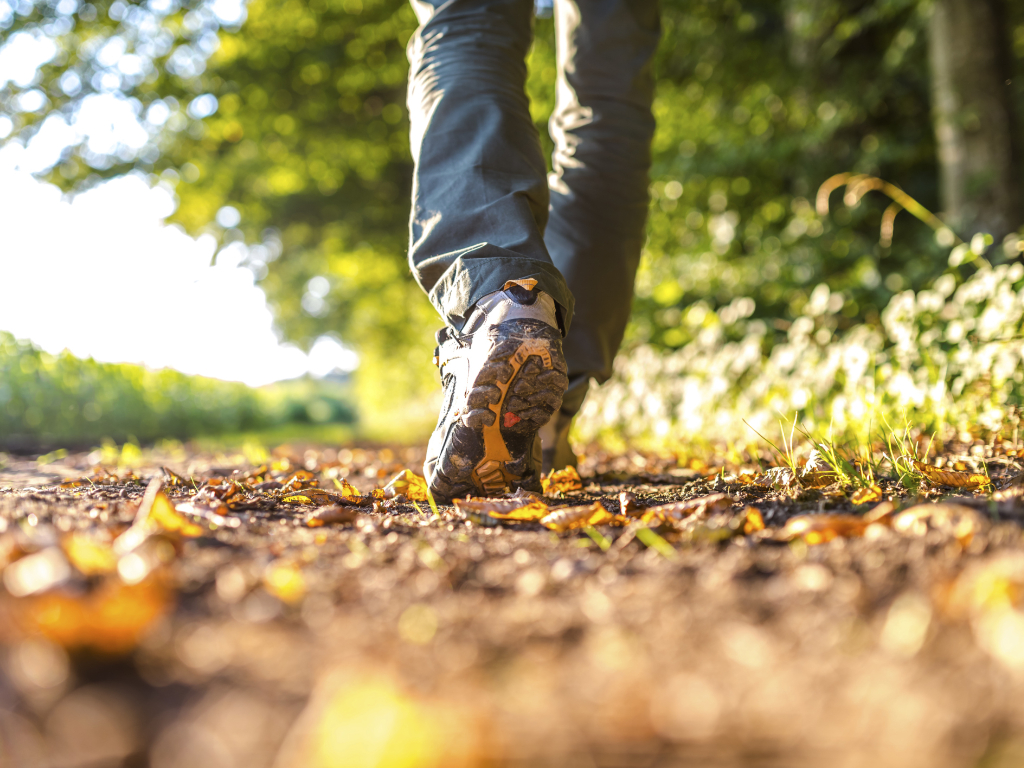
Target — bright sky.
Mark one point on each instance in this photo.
(101, 274)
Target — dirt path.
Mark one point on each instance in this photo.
(401, 638)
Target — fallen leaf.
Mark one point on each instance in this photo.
(754, 521)
(284, 581)
(320, 497)
(347, 489)
(568, 518)
(209, 513)
(561, 481)
(333, 514)
(668, 513)
(300, 480)
(966, 480)
(174, 480)
(818, 529)
(524, 509)
(110, 619)
(778, 477)
(816, 472)
(407, 483)
(866, 495)
(163, 515)
(89, 556)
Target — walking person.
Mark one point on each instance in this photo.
(532, 273)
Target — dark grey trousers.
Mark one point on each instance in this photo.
(485, 211)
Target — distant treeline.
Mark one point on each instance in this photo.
(61, 399)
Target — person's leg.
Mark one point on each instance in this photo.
(602, 128)
(480, 201)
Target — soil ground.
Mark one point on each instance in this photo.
(408, 639)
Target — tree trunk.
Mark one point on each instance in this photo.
(972, 110)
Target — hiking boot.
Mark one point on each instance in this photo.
(503, 376)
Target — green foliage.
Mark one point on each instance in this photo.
(947, 357)
(47, 399)
(758, 102)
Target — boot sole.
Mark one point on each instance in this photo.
(490, 443)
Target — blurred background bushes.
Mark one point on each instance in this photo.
(286, 129)
(48, 401)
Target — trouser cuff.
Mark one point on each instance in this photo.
(468, 280)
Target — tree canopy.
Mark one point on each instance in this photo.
(282, 124)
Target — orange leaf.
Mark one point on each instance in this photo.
(817, 529)
(110, 619)
(866, 495)
(754, 521)
(561, 481)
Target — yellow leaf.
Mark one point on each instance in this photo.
(525, 509)
(561, 481)
(164, 515)
(407, 483)
(285, 582)
(966, 480)
(90, 557)
(347, 489)
(569, 518)
(867, 495)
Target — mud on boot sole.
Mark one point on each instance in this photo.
(489, 446)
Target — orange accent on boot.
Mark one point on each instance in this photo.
(511, 419)
(490, 471)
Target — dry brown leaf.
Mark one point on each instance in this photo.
(966, 480)
(561, 481)
(407, 483)
(332, 514)
(777, 477)
(818, 529)
(208, 511)
(569, 518)
(668, 513)
(174, 480)
(866, 495)
(816, 472)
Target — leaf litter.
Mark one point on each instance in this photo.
(227, 576)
